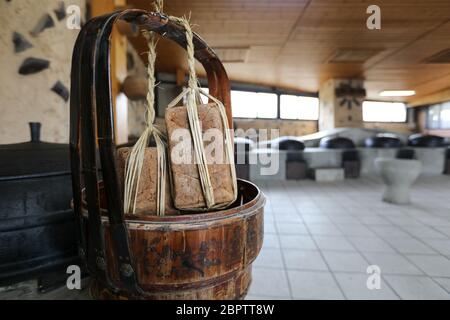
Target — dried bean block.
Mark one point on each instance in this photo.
(147, 195)
(187, 190)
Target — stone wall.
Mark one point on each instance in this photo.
(35, 29)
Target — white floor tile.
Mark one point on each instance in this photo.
(257, 297)
(344, 219)
(432, 265)
(374, 220)
(417, 288)
(313, 285)
(440, 245)
(271, 241)
(269, 257)
(333, 243)
(324, 229)
(355, 230)
(425, 232)
(371, 244)
(355, 288)
(392, 263)
(345, 261)
(314, 218)
(291, 228)
(307, 260)
(444, 230)
(297, 242)
(444, 282)
(389, 232)
(435, 221)
(269, 282)
(410, 245)
(269, 227)
(288, 218)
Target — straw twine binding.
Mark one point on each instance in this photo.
(192, 94)
(135, 160)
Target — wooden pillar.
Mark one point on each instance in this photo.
(341, 103)
(180, 77)
(118, 68)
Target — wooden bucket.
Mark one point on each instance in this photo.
(199, 256)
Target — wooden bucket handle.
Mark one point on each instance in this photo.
(218, 82)
(92, 124)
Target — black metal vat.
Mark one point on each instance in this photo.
(336, 143)
(37, 224)
(383, 142)
(287, 143)
(242, 148)
(426, 141)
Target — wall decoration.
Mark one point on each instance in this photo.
(350, 95)
(60, 11)
(61, 90)
(340, 103)
(33, 65)
(20, 42)
(45, 22)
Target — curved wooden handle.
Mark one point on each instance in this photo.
(218, 82)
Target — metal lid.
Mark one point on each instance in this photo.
(34, 158)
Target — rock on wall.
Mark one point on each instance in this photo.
(35, 41)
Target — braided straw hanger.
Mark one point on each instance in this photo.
(192, 93)
(135, 160)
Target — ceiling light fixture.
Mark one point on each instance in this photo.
(397, 93)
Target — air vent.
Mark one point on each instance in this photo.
(233, 54)
(352, 55)
(440, 57)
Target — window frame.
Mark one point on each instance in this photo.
(278, 93)
(257, 118)
(404, 103)
(437, 106)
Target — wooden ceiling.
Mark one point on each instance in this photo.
(289, 43)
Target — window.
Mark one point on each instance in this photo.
(298, 107)
(204, 98)
(445, 115)
(261, 105)
(438, 116)
(378, 111)
(248, 104)
(433, 117)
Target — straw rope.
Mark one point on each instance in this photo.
(192, 94)
(136, 158)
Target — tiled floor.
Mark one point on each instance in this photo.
(320, 239)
